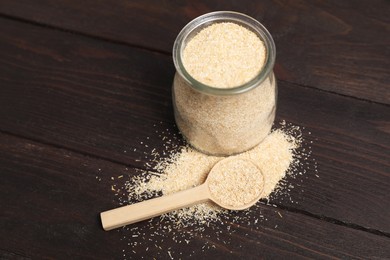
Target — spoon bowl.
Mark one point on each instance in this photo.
(235, 184)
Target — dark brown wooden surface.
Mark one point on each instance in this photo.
(74, 103)
(337, 46)
(58, 193)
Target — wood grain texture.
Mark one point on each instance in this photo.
(341, 47)
(51, 198)
(111, 101)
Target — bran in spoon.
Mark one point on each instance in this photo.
(235, 183)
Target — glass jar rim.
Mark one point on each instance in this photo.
(224, 16)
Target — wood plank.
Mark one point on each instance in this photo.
(51, 200)
(110, 101)
(342, 47)
(350, 141)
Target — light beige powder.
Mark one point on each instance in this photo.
(235, 183)
(224, 55)
(189, 168)
(224, 125)
(177, 230)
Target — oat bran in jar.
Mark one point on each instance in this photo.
(224, 90)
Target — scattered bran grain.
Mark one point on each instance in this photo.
(187, 228)
(189, 168)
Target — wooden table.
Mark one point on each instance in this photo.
(83, 83)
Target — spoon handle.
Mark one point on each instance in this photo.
(154, 207)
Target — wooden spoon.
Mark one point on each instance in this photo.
(129, 214)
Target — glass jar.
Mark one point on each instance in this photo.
(224, 121)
